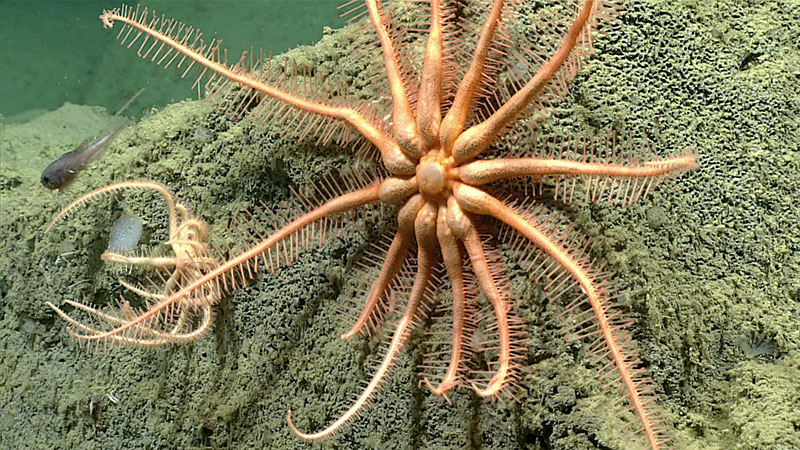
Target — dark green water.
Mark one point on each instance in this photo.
(54, 52)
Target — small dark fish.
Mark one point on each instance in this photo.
(62, 171)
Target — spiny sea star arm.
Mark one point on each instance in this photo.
(425, 230)
(169, 285)
(404, 126)
(132, 185)
(477, 138)
(489, 170)
(429, 103)
(158, 337)
(343, 203)
(159, 261)
(394, 260)
(451, 255)
(463, 227)
(453, 122)
(210, 59)
(479, 202)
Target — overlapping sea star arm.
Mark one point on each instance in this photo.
(451, 255)
(456, 117)
(170, 40)
(425, 230)
(145, 336)
(463, 227)
(612, 342)
(477, 138)
(395, 257)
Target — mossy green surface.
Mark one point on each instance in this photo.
(711, 268)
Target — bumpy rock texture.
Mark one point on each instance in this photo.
(711, 268)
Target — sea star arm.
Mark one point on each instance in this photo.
(629, 181)
(396, 189)
(404, 126)
(172, 207)
(186, 41)
(157, 337)
(489, 170)
(150, 295)
(159, 261)
(479, 202)
(179, 275)
(464, 228)
(453, 122)
(451, 255)
(394, 260)
(425, 230)
(477, 138)
(429, 103)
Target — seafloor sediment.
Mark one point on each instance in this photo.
(711, 268)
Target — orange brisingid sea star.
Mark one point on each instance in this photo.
(475, 78)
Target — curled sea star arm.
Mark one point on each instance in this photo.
(146, 334)
(611, 339)
(209, 294)
(451, 255)
(147, 294)
(464, 228)
(477, 138)
(172, 207)
(154, 337)
(227, 270)
(425, 231)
